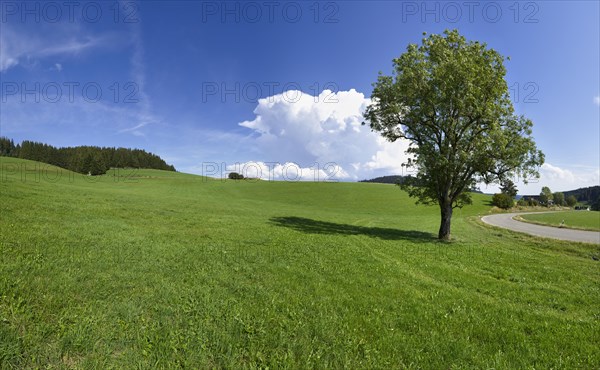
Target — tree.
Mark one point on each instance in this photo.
(235, 176)
(502, 200)
(571, 201)
(450, 100)
(509, 188)
(559, 198)
(83, 159)
(7, 147)
(596, 205)
(546, 196)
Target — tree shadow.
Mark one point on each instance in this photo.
(307, 225)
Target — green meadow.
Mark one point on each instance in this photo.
(154, 269)
(570, 219)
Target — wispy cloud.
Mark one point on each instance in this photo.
(144, 115)
(17, 45)
(597, 100)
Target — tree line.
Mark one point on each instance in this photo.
(89, 160)
(508, 191)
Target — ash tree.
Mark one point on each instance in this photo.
(449, 98)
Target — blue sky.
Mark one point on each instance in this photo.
(280, 86)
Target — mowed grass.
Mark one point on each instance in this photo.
(571, 219)
(149, 269)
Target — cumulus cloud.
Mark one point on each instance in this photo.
(315, 132)
(294, 136)
(558, 178)
(289, 171)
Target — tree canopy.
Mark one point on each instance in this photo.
(449, 98)
(546, 195)
(509, 188)
(558, 198)
(91, 160)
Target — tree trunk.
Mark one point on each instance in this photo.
(446, 211)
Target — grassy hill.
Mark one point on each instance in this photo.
(157, 269)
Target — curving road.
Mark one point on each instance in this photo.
(505, 220)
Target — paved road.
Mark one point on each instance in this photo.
(506, 221)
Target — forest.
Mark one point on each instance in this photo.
(89, 160)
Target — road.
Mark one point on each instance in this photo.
(505, 220)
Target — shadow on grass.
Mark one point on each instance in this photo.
(310, 226)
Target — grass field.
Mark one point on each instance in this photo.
(150, 269)
(571, 219)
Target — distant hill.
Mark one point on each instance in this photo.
(589, 196)
(394, 179)
(397, 179)
(90, 160)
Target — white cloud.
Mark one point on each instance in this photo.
(145, 115)
(319, 131)
(557, 178)
(79, 117)
(18, 45)
(289, 171)
(574, 177)
(554, 173)
(301, 134)
(597, 100)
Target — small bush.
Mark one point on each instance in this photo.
(522, 203)
(502, 200)
(235, 176)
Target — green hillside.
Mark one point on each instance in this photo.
(155, 269)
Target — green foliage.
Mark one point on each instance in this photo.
(235, 176)
(394, 179)
(585, 195)
(167, 270)
(571, 201)
(558, 198)
(509, 188)
(502, 200)
(596, 205)
(7, 147)
(522, 202)
(83, 159)
(546, 196)
(450, 100)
